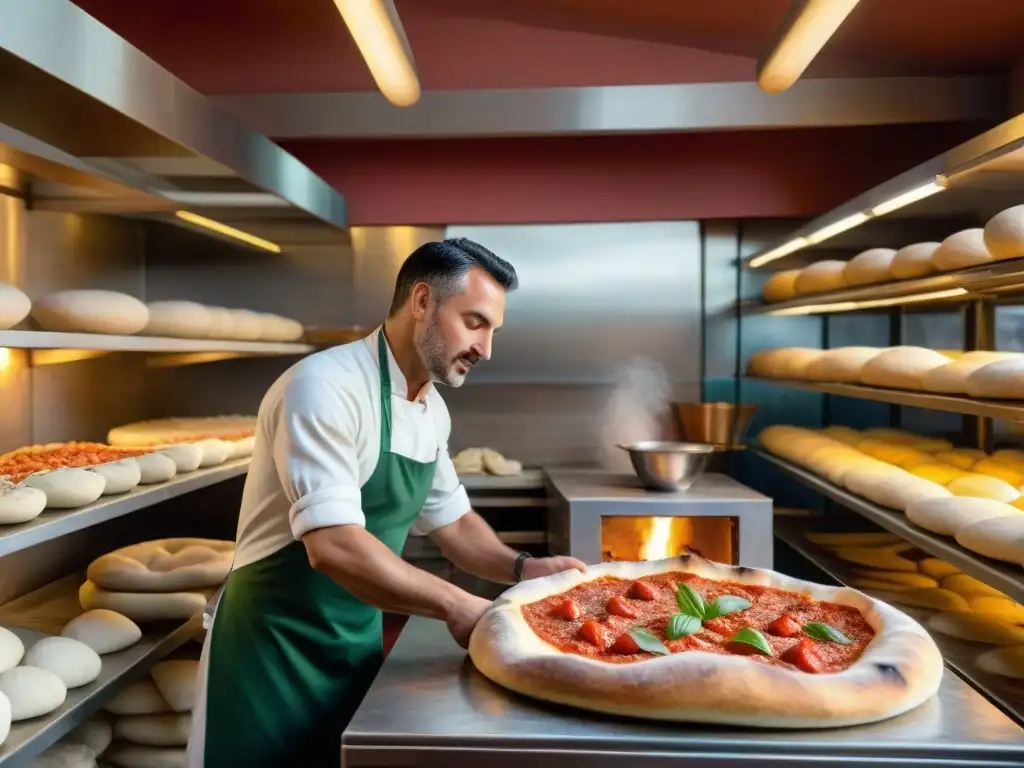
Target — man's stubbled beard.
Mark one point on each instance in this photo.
(435, 356)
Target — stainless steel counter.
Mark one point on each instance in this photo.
(430, 707)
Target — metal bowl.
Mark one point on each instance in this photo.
(664, 466)
(719, 424)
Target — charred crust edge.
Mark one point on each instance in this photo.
(891, 674)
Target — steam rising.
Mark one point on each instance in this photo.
(635, 411)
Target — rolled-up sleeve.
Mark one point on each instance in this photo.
(314, 444)
(447, 500)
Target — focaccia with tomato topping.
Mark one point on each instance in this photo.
(686, 639)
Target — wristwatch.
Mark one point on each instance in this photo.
(517, 569)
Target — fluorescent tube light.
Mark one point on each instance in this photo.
(905, 199)
(849, 306)
(378, 34)
(834, 229)
(224, 229)
(777, 253)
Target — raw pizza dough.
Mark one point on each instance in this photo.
(214, 452)
(241, 449)
(90, 311)
(186, 457)
(19, 503)
(134, 756)
(1001, 538)
(177, 681)
(913, 261)
(164, 565)
(155, 468)
(978, 629)
(144, 607)
(937, 569)
(969, 587)
(962, 250)
(65, 756)
(983, 487)
(901, 367)
(898, 490)
(1004, 233)
(469, 461)
(1001, 380)
(843, 364)
(900, 669)
(104, 631)
(951, 378)
(1007, 661)
(5, 718)
(820, 277)
(32, 691)
(121, 476)
(96, 734)
(74, 662)
(870, 266)
(140, 698)
(14, 306)
(67, 488)
(947, 516)
(781, 286)
(178, 319)
(12, 650)
(245, 325)
(222, 323)
(165, 730)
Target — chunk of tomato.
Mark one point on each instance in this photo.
(625, 645)
(785, 626)
(803, 656)
(641, 590)
(593, 633)
(567, 609)
(619, 607)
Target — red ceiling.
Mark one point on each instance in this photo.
(295, 46)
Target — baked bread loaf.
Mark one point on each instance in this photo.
(14, 306)
(1001, 380)
(913, 260)
(1004, 233)
(177, 680)
(90, 311)
(870, 266)
(164, 432)
(164, 565)
(162, 730)
(843, 364)
(139, 698)
(781, 286)
(901, 367)
(820, 277)
(143, 607)
(962, 250)
(951, 378)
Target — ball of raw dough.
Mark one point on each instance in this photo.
(962, 250)
(946, 516)
(783, 363)
(32, 691)
(91, 311)
(163, 730)
(186, 456)
(178, 319)
(139, 698)
(246, 325)
(214, 451)
(11, 649)
(1001, 538)
(14, 306)
(75, 663)
(983, 487)
(1004, 233)
(68, 488)
(915, 260)
(821, 276)
(781, 286)
(222, 323)
(96, 734)
(177, 681)
(895, 490)
(5, 718)
(901, 367)
(104, 631)
(843, 364)
(1003, 379)
(19, 503)
(951, 378)
(870, 266)
(155, 468)
(120, 476)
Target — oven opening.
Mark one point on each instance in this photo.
(630, 537)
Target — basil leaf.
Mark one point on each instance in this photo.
(751, 636)
(689, 600)
(682, 625)
(724, 605)
(647, 641)
(821, 631)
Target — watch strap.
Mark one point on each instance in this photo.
(517, 569)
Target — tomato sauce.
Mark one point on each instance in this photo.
(20, 464)
(768, 605)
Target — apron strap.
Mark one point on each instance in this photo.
(385, 394)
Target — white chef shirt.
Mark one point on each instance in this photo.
(318, 442)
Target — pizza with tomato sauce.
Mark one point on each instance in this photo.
(19, 464)
(687, 639)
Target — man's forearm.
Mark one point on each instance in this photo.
(473, 546)
(360, 563)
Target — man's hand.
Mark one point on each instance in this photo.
(535, 567)
(464, 617)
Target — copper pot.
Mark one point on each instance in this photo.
(718, 424)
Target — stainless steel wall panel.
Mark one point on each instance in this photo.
(721, 323)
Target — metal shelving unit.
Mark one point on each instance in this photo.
(1001, 576)
(156, 344)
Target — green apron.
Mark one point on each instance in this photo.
(291, 652)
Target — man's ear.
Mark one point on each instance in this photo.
(420, 300)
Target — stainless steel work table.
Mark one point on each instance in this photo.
(430, 707)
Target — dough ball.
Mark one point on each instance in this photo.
(75, 663)
(1001, 538)
(1004, 233)
(214, 451)
(890, 435)
(19, 503)
(222, 323)
(1007, 474)
(62, 755)
(178, 319)
(500, 466)
(11, 649)
(1007, 661)
(843, 364)
(781, 286)
(913, 261)
(846, 435)
(247, 325)
(896, 490)
(937, 569)
(120, 476)
(177, 680)
(96, 734)
(14, 306)
(982, 487)
(943, 474)
(91, 312)
(186, 457)
(785, 362)
(901, 367)
(32, 691)
(947, 516)
(951, 378)
(961, 458)
(241, 449)
(835, 461)
(1003, 379)
(978, 629)
(870, 266)
(165, 730)
(140, 698)
(820, 277)
(155, 468)
(5, 718)
(962, 250)
(292, 330)
(68, 488)
(104, 631)
(144, 607)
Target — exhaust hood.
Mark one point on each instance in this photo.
(90, 124)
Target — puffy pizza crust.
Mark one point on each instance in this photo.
(899, 670)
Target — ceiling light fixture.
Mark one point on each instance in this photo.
(777, 253)
(834, 229)
(849, 306)
(804, 32)
(380, 38)
(911, 196)
(224, 229)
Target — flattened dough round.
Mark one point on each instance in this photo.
(19, 503)
(1001, 538)
(90, 311)
(12, 650)
(32, 691)
(843, 364)
(68, 488)
(781, 286)
(14, 306)
(144, 607)
(913, 261)
(901, 367)
(870, 266)
(139, 698)
(121, 476)
(690, 686)
(74, 662)
(164, 565)
(164, 730)
(177, 680)
(1001, 380)
(104, 631)
(155, 468)
(947, 516)
(178, 319)
(962, 250)
(1004, 233)
(821, 276)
